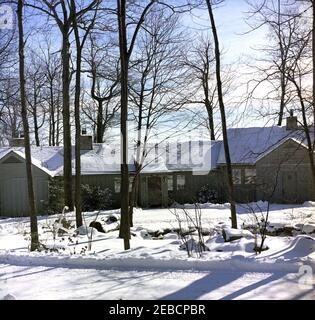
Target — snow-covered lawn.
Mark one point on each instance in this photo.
(155, 267)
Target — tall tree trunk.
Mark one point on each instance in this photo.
(58, 121)
(52, 113)
(124, 190)
(36, 130)
(67, 167)
(282, 76)
(282, 99)
(78, 200)
(30, 186)
(223, 118)
(210, 118)
(99, 122)
(313, 62)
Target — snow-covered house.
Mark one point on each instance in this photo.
(269, 163)
(170, 171)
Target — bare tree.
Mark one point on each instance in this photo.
(104, 73)
(61, 13)
(10, 120)
(125, 53)
(51, 64)
(275, 15)
(156, 83)
(80, 40)
(200, 62)
(223, 116)
(35, 94)
(135, 23)
(30, 186)
(10, 109)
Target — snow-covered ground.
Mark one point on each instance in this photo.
(155, 267)
(27, 282)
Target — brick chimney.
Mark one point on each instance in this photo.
(86, 141)
(292, 123)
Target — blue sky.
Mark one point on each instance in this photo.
(236, 46)
(230, 20)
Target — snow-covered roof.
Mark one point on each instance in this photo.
(105, 158)
(248, 145)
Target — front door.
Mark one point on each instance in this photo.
(289, 186)
(155, 191)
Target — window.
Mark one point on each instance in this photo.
(117, 185)
(237, 176)
(250, 176)
(180, 182)
(170, 183)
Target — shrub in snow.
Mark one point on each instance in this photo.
(95, 198)
(64, 226)
(97, 225)
(191, 221)
(207, 194)
(155, 233)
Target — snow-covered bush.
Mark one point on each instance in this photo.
(95, 198)
(207, 194)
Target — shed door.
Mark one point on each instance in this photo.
(155, 191)
(289, 187)
(14, 199)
